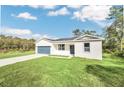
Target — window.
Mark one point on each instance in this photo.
(61, 46)
(87, 47)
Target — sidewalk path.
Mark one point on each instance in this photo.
(13, 60)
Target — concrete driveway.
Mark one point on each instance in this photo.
(13, 60)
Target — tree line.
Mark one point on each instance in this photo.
(8, 43)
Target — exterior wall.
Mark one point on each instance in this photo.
(54, 48)
(65, 52)
(95, 50)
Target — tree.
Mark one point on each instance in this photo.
(88, 32)
(76, 32)
(115, 33)
(8, 43)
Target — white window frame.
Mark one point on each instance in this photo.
(86, 49)
(61, 46)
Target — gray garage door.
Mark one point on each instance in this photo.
(44, 49)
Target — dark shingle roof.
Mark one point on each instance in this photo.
(64, 39)
(88, 37)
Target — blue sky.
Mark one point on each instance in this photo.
(52, 21)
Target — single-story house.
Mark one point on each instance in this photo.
(86, 46)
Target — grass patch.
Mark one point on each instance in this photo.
(77, 72)
(111, 76)
(58, 56)
(15, 54)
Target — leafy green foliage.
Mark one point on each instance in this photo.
(77, 32)
(8, 43)
(114, 34)
(119, 53)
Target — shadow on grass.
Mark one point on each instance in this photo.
(111, 76)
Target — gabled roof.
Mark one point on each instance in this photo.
(79, 38)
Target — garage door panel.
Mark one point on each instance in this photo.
(44, 49)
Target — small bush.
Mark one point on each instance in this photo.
(119, 53)
(107, 51)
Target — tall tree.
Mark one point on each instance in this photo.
(115, 33)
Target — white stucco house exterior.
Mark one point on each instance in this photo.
(86, 46)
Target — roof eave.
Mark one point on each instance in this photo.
(76, 40)
(89, 36)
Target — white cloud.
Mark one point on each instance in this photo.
(36, 36)
(103, 23)
(25, 15)
(43, 6)
(45, 36)
(13, 31)
(93, 13)
(48, 36)
(21, 33)
(49, 6)
(63, 11)
(74, 6)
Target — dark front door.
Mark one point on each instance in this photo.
(72, 49)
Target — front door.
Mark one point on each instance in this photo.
(72, 49)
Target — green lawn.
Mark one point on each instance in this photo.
(77, 72)
(14, 54)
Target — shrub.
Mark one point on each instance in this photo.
(119, 53)
(107, 51)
